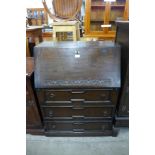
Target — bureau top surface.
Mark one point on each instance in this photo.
(76, 44)
(77, 65)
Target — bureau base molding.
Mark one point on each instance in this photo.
(113, 133)
(35, 131)
(121, 121)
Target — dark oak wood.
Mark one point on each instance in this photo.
(70, 94)
(57, 65)
(122, 113)
(77, 126)
(121, 121)
(80, 96)
(33, 119)
(85, 112)
(123, 109)
(122, 37)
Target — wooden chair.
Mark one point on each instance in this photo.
(65, 11)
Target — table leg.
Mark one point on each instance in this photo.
(28, 54)
(78, 31)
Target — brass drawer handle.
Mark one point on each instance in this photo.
(77, 100)
(53, 126)
(52, 95)
(78, 117)
(105, 113)
(50, 114)
(78, 123)
(78, 130)
(78, 92)
(78, 108)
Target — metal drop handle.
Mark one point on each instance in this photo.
(50, 113)
(52, 95)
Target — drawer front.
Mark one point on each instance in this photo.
(88, 95)
(53, 112)
(77, 126)
(77, 103)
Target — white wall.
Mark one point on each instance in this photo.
(36, 3)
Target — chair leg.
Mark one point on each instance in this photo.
(74, 35)
(54, 36)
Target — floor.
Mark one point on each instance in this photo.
(41, 145)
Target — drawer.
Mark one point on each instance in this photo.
(67, 112)
(77, 103)
(78, 126)
(88, 95)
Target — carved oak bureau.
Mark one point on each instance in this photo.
(77, 87)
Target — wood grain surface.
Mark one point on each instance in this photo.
(77, 64)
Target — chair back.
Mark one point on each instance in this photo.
(66, 8)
